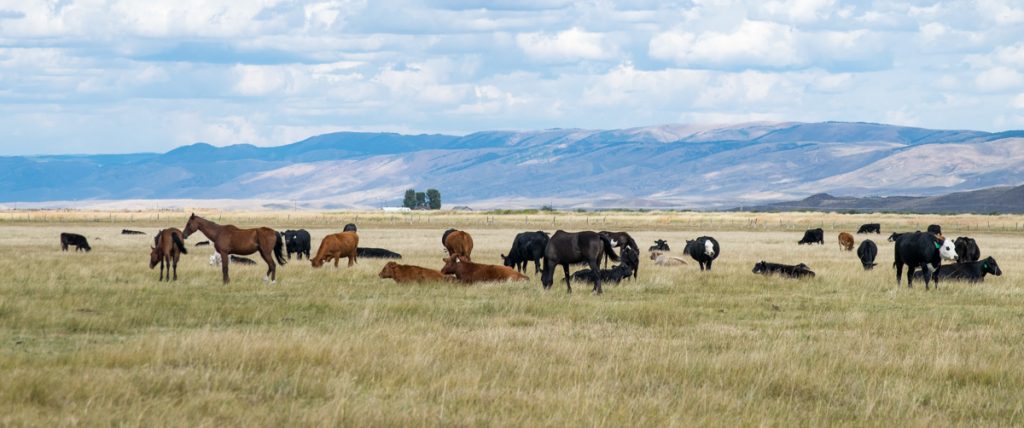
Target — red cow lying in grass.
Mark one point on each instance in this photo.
(407, 273)
(335, 247)
(469, 272)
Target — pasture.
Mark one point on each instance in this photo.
(94, 339)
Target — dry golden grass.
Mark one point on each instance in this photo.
(94, 339)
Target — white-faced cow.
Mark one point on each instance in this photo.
(704, 250)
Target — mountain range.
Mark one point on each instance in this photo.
(1002, 200)
(669, 166)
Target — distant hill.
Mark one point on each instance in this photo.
(1005, 200)
(669, 166)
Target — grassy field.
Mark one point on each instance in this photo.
(94, 339)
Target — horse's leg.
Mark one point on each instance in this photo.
(175, 259)
(161, 268)
(568, 284)
(225, 257)
(595, 266)
(271, 267)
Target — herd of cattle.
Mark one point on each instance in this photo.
(917, 250)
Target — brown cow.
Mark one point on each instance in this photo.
(335, 247)
(408, 273)
(458, 243)
(845, 241)
(469, 272)
(168, 246)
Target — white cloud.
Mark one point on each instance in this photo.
(569, 45)
(753, 43)
(800, 10)
(999, 79)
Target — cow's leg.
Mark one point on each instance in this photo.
(568, 284)
(899, 273)
(224, 259)
(910, 275)
(709, 264)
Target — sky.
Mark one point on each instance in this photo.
(111, 76)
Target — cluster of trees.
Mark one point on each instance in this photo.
(429, 200)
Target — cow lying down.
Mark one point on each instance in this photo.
(969, 271)
(215, 260)
(662, 259)
(799, 271)
(615, 274)
(404, 274)
(469, 272)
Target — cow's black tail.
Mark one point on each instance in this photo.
(179, 243)
(278, 248)
(608, 249)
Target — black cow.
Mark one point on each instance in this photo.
(813, 236)
(631, 259)
(704, 250)
(966, 250)
(970, 271)
(351, 227)
(622, 240)
(243, 260)
(870, 228)
(798, 271)
(897, 235)
(660, 245)
(79, 241)
(376, 253)
(297, 242)
(526, 247)
(866, 252)
(934, 228)
(202, 243)
(566, 248)
(131, 232)
(615, 274)
(921, 250)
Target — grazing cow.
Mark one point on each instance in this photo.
(970, 271)
(966, 250)
(131, 232)
(403, 274)
(631, 259)
(297, 242)
(376, 253)
(704, 250)
(620, 240)
(526, 247)
(566, 248)
(897, 235)
(924, 250)
(667, 260)
(870, 228)
(202, 243)
(168, 246)
(79, 241)
(659, 245)
(866, 252)
(798, 271)
(458, 243)
(845, 241)
(615, 274)
(469, 272)
(351, 227)
(335, 247)
(813, 236)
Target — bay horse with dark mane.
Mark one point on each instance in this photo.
(168, 246)
(228, 239)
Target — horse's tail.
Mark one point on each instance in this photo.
(608, 249)
(278, 246)
(179, 243)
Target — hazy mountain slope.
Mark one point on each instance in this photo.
(993, 200)
(669, 165)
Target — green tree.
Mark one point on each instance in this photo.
(410, 199)
(421, 200)
(434, 198)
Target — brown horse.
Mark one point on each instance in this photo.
(168, 246)
(228, 239)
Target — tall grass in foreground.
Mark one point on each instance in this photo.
(94, 339)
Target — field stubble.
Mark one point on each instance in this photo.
(94, 339)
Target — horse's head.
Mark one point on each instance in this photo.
(191, 226)
(154, 257)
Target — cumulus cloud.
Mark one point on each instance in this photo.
(569, 45)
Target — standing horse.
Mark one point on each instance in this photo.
(566, 248)
(228, 239)
(168, 246)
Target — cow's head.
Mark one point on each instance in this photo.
(989, 265)
(709, 248)
(507, 261)
(947, 249)
(760, 267)
(388, 271)
(450, 264)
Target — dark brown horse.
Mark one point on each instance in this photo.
(168, 246)
(228, 239)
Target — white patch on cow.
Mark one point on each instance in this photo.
(948, 250)
(709, 248)
(614, 242)
(215, 259)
